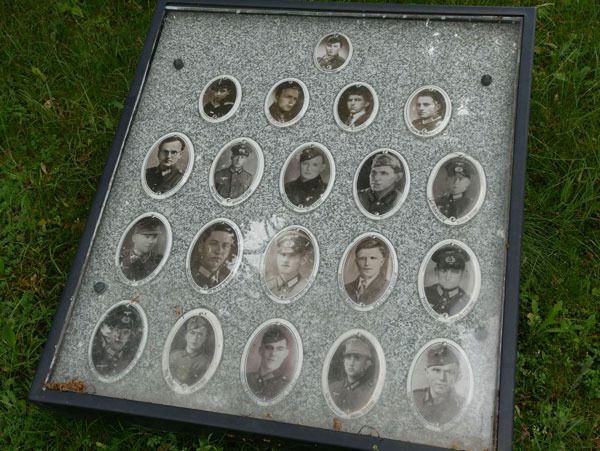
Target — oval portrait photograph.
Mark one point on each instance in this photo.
(214, 256)
(440, 383)
(368, 271)
(167, 165)
(353, 374)
(144, 248)
(381, 184)
(220, 98)
(286, 102)
(307, 177)
(118, 341)
(271, 361)
(236, 171)
(456, 188)
(333, 52)
(449, 280)
(290, 263)
(427, 111)
(192, 351)
(355, 107)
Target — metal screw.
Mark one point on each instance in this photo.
(178, 63)
(486, 80)
(99, 287)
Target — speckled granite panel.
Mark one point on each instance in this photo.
(395, 56)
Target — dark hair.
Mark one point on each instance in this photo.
(171, 139)
(333, 39)
(370, 243)
(358, 90)
(273, 334)
(216, 227)
(289, 85)
(436, 96)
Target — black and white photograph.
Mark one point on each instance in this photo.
(368, 271)
(307, 177)
(449, 280)
(456, 188)
(192, 351)
(236, 171)
(427, 111)
(220, 98)
(167, 165)
(271, 361)
(440, 383)
(353, 374)
(355, 107)
(333, 52)
(118, 341)
(290, 263)
(214, 256)
(286, 102)
(144, 248)
(381, 184)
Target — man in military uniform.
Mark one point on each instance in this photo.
(292, 248)
(429, 108)
(354, 390)
(358, 106)
(439, 402)
(271, 378)
(234, 181)
(332, 60)
(166, 175)
(371, 257)
(288, 101)
(140, 257)
(215, 248)
(189, 365)
(223, 98)
(385, 179)
(446, 296)
(309, 187)
(116, 343)
(455, 203)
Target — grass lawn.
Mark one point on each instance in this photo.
(66, 69)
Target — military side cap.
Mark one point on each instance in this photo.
(149, 226)
(458, 167)
(358, 346)
(359, 90)
(195, 323)
(440, 355)
(223, 83)
(293, 243)
(385, 159)
(241, 149)
(124, 318)
(309, 153)
(333, 38)
(450, 257)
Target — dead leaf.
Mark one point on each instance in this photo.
(337, 424)
(75, 386)
(44, 169)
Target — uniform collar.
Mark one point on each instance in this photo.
(312, 183)
(448, 293)
(289, 283)
(213, 276)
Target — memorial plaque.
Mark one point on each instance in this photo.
(311, 222)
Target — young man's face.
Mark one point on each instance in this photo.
(449, 278)
(169, 154)
(288, 264)
(382, 178)
(116, 338)
(369, 262)
(427, 107)
(272, 355)
(221, 94)
(144, 242)
(195, 338)
(216, 249)
(459, 184)
(333, 48)
(441, 378)
(356, 103)
(287, 99)
(310, 169)
(238, 161)
(355, 365)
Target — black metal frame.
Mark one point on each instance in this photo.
(176, 417)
